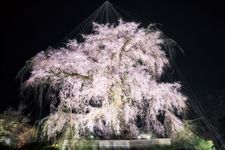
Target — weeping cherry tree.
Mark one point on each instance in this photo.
(107, 86)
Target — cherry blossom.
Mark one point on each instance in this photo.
(108, 85)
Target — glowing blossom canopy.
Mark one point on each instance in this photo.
(108, 85)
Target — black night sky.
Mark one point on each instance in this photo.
(31, 26)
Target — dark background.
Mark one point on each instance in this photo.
(198, 27)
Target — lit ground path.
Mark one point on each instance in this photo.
(118, 144)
